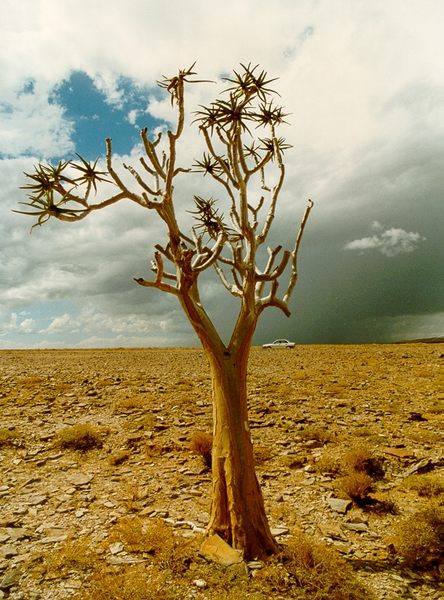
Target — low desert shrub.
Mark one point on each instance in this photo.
(361, 458)
(8, 437)
(73, 555)
(119, 457)
(134, 582)
(314, 568)
(132, 495)
(419, 538)
(151, 536)
(130, 404)
(328, 462)
(426, 484)
(201, 443)
(424, 436)
(356, 486)
(155, 541)
(313, 432)
(262, 454)
(31, 381)
(79, 437)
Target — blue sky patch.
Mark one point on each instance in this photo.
(95, 118)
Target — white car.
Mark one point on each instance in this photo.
(279, 344)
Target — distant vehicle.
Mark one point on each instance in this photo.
(279, 344)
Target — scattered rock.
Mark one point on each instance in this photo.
(398, 452)
(125, 560)
(254, 565)
(116, 548)
(280, 530)
(9, 580)
(80, 479)
(420, 467)
(214, 548)
(332, 530)
(360, 527)
(36, 500)
(339, 505)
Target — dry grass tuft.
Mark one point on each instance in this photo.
(132, 495)
(155, 541)
(31, 381)
(419, 537)
(361, 458)
(140, 536)
(119, 457)
(130, 404)
(135, 582)
(310, 569)
(79, 437)
(73, 555)
(8, 437)
(313, 432)
(262, 454)
(426, 484)
(201, 443)
(328, 462)
(356, 486)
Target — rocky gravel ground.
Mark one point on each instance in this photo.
(309, 406)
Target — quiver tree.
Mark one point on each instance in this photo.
(248, 172)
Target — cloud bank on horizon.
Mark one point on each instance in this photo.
(364, 86)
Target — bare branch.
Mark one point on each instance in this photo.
(149, 169)
(140, 181)
(274, 198)
(294, 254)
(158, 283)
(203, 262)
(150, 149)
(255, 212)
(219, 159)
(234, 289)
(277, 272)
(119, 183)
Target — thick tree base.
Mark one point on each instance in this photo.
(238, 512)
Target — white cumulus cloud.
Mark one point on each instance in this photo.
(390, 242)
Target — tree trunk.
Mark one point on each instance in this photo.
(237, 512)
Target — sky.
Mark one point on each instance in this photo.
(363, 83)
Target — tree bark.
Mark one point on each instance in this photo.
(237, 512)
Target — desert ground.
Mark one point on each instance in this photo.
(321, 418)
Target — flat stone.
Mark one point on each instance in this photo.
(54, 539)
(275, 531)
(17, 533)
(80, 479)
(8, 521)
(9, 580)
(214, 548)
(423, 465)
(8, 551)
(254, 565)
(116, 548)
(398, 452)
(360, 527)
(36, 500)
(124, 560)
(339, 505)
(332, 530)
